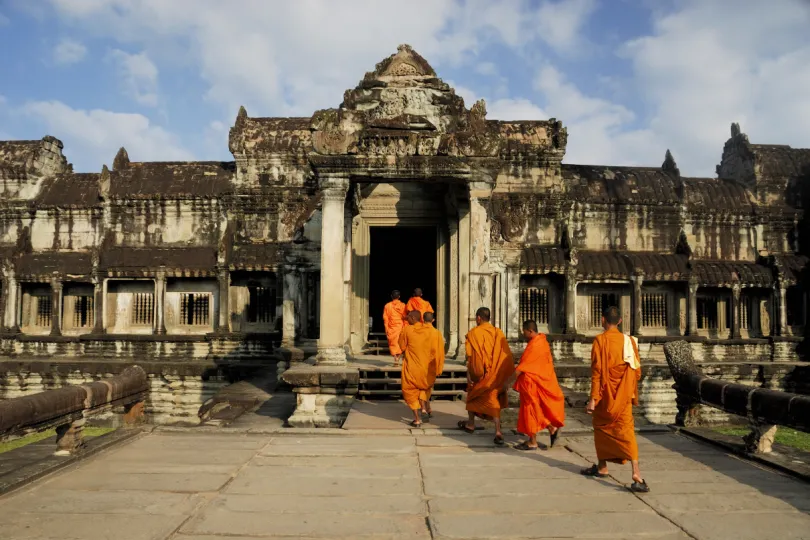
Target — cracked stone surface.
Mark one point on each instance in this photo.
(386, 485)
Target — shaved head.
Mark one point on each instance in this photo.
(414, 317)
(394, 294)
(483, 314)
(429, 317)
(417, 292)
(612, 315)
(530, 326)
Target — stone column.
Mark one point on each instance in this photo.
(331, 349)
(16, 316)
(290, 292)
(56, 303)
(513, 323)
(224, 318)
(735, 310)
(782, 302)
(638, 312)
(160, 298)
(691, 319)
(454, 282)
(571, 300)
(4, 299)
(98, 303)
(347, 280)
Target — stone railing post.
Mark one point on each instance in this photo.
(760, 439)
(56, 307)
(160, 297)
(69, 437)
(638, 311)
(511, 258)
(692, 315)
(331, 350)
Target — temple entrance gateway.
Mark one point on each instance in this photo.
(402, 258)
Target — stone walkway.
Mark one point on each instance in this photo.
(203, 486)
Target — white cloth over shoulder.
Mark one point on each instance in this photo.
(629, 352)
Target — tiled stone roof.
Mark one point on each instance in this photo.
(603, 265)
(791, 267)
(721, 273)
(659, 266)
(152, 258)
(172, 179)
(256, 256)
(44, 264)
(623, 185)
(543, 260)
(70, 189)
(781, 161)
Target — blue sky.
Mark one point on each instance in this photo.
(629, 78)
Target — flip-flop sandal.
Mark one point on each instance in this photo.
(525, 447)
(553, 438)
(426, 418)
(462, 425)
(642, 487)
(593, 470)
(499, 441)
(414, 423)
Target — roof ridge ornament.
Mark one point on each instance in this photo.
(121, 160)
(669, 164)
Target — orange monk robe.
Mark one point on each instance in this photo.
(419, 343)
(421, 305)
(394, 319)
(489, 367)
(541, 398)
(614, 384)
(438, 362)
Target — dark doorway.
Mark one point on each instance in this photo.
(401, 258)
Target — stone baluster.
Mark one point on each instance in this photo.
(69, 437)
(692, 315)
(224, 319)
(98, 303)
(638, 311)
(735, 310)
(331, 350)
(160, 297)
(571, 300)
(56, 307)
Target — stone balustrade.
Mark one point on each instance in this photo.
(764, 408)
(67, 409)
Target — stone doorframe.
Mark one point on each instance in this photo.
(360, 274)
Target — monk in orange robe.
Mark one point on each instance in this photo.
(489, 367)
(615, 372)
(419, 304)
(438, 367)
(423, 351)
(542, 404)
(394, 315)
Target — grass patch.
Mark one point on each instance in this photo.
(786, 436)
(89, 433)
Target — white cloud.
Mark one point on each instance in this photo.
(139, 76)
(69, 51)
(515, 109)
(753, 68)
(93, 137)
(285, 58)
(560, 23)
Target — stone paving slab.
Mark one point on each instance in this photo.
(402, 486)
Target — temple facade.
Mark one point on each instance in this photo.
(298, 241)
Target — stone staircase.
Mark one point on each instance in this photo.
(385, 382)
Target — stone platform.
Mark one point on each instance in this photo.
(193, 485)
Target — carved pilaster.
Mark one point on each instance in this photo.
(511, 258)
(56, 306)
(331, 343)
(781, 291)
(98, 301)
(692, 317)
(638, 312)
(735, 310)
(160, 298)
(224, 282)
(571, 300)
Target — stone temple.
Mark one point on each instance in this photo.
(199, 271)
